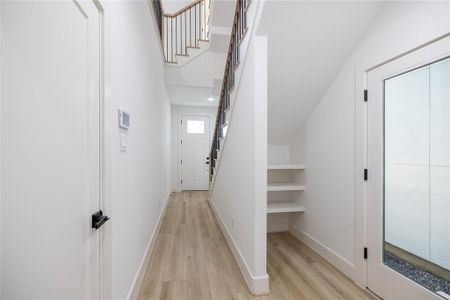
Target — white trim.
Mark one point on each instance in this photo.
(137, 282)
(258, 285)
(360, 189)
(1, 147)
(332, 257)
(106, 125)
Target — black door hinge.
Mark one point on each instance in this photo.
(182, 142)
(366, 174)
(365, 253)
(181, 161)
(181, 181)
(366, 96)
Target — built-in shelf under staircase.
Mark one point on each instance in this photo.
(284, 181)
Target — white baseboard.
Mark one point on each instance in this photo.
(332, 257)
(136, 286)
(258, 285)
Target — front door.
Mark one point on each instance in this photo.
(195, 142)
(409, 175)
(50, 137)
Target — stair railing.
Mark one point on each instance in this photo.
(237, 33)
(184, 29)
(159, 12)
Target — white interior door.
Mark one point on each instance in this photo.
(50, 149)
(409, 172)
(195, 142)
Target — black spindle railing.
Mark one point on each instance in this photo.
(185, 29)
(157, 6)
(237, 33)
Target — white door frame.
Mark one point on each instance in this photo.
(180, 116)
(107, 123)
(359, 272)
(363, 118)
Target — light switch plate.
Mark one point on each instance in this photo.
(124, 119)
(123, 142)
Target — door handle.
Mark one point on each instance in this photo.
(98, 219)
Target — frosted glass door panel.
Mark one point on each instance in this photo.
(440, 113)
(440, 216)
(407, 154)
(407, 208)
(440, 163)
(407, 118)
(417, 162)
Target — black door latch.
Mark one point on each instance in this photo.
(98, 219)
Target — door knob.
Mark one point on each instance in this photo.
(98, 219)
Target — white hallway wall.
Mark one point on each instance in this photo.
(140, 176)
(239, 194)
(333, 143)
(175, 115)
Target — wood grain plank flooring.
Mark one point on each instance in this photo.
(191, 260)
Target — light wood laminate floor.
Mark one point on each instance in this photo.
(191, 260)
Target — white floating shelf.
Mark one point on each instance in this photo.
(283, 207)
(286, 167)
(281, 186)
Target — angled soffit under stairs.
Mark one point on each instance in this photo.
(309, 42)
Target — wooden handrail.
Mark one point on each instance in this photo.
(184, 29)
(179, 12)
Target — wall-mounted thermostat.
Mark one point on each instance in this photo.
(124, 119)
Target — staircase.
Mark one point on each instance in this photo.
(185, 33)
(233, 59)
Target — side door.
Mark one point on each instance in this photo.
(50, 136)
(409, 168)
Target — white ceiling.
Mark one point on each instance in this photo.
(309, 42)
(192, 96)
